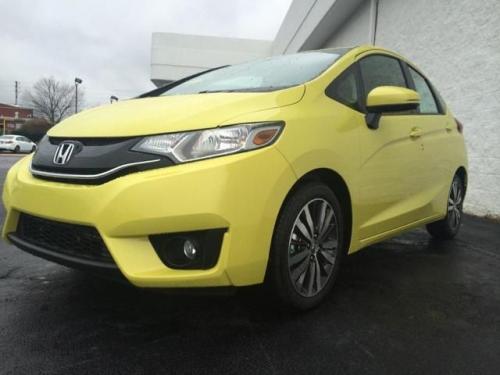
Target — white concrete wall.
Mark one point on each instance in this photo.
(310, 23)
(355, 30)
(457, 44)
(290, 29)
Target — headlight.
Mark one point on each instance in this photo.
(204, 144)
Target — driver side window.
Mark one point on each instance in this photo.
(380, 70)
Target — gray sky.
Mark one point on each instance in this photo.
(107, 42)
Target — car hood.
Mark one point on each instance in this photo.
(171, 113)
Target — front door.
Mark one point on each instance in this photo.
(391, 159)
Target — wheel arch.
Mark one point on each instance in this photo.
(338, 185)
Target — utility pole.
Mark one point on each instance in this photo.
(17, 90)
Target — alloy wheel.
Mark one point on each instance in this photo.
(455, 202)
(313, 247)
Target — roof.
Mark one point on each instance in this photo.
(3, 105)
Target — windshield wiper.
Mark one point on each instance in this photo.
(251, 89)
(215, 91)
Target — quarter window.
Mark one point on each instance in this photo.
(427, 102)
(379, 70)
(345, 89)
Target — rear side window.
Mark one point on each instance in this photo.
(345, 89)
(428, 104)
(379, 70)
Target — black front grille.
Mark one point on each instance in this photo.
(92, 157)
(79, 241)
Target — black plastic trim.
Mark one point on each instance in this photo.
(106, 268)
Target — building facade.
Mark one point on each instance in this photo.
(13, 117)
(455, 44)
(175, 56)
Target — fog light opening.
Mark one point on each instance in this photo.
(189, 250)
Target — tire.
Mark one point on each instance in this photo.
(447, 228)
(295, 259)
(33, 149)
(16, 150)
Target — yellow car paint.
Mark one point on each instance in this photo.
(175, 113)
(389, 95)
(398, 176)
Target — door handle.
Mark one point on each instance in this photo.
(415, 133)
(449, 128)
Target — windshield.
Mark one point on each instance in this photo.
(268, 74)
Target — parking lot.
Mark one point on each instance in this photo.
(407, 306)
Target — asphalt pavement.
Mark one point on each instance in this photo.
(410, 305)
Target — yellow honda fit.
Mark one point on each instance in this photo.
(270, 171)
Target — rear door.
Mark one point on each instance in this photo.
(434, 127)
(391, 158)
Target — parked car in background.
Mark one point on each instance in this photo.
(269, 171)
(16, 143)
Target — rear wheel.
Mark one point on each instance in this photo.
(448, 227)
(17, 149)
(33, 149)
(307, 248)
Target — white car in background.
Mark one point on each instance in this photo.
(16, 143)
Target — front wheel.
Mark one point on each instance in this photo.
(33, 149)
(17, 149)
(308, 245)
(447, 228)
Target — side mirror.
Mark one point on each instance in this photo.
(389, 99)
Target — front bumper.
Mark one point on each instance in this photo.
(106, 269)
(242, 192)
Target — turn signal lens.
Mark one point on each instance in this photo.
(262, 137)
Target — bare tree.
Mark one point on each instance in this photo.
(53, 100)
